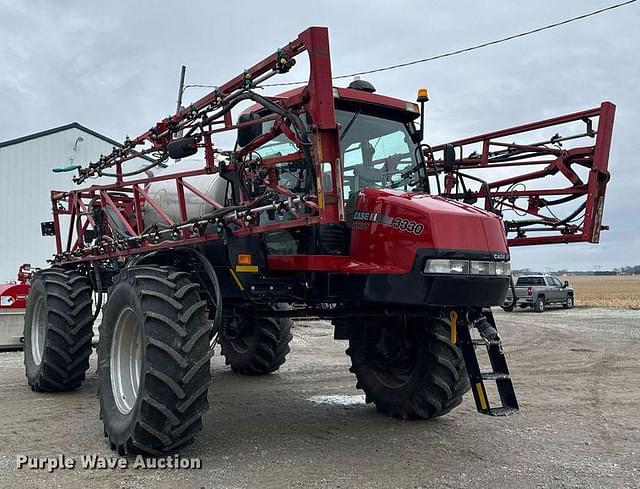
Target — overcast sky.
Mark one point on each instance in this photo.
(114, 67)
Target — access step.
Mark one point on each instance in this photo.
(499, 372)
(494, 376)
(502, 411)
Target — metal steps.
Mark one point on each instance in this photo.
(499, 372)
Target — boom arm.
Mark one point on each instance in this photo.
(550, 191)
(107, 221)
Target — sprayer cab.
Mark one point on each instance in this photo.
(397, 244)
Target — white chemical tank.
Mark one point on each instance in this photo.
(166, 195)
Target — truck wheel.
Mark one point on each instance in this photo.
(58, 330)
(507, 308)
(153, 361)
(539, 305)
(255, 345)
(568, 303)
(409, 369)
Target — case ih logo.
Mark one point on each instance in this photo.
(361, 220)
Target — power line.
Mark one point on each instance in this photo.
(198, 86)
(457, 51)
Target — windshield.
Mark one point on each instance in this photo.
(376, 152)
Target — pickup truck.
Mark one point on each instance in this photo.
(537, 291)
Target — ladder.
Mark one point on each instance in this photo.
(499, 372)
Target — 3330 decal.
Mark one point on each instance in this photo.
(362, 219)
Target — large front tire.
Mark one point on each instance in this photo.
(153, 361)
(255, 345)
(58, 330)
(408, 367)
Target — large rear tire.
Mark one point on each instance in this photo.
(58, 330)
(153, 361)
(255, 345)
(409, 369)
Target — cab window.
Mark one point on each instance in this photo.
(376, 151)
(281, 145)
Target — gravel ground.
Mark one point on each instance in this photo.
(576, 374)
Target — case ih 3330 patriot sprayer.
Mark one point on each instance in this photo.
(329, 203)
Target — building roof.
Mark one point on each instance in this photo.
(55, 130)
(48, 132)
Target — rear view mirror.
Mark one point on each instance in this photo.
(566, 283)
(248, 133)
(181, 148)
(449, 163)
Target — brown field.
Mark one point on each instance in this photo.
(606, 291)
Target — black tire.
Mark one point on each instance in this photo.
(59, 306)
(429, 382)
(255, 345)
(507, 308)
(174, 375)
(539, 304)
(569, 302)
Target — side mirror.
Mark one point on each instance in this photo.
(566, 283)
(181, 148)
(449, 163)
(248, 133)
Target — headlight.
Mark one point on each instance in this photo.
(447, 266)
(468, 267)
(483, 267)
(503, 268)
(411, 107)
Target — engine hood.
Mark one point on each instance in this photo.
(389, 226)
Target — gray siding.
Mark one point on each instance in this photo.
(26, 181)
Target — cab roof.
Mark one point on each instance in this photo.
(410, 110)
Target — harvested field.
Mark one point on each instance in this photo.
(621, 292)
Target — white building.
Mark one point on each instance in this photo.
(26, 180)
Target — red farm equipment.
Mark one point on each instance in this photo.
(13, 299)
(328, 205)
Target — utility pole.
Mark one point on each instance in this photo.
(181, 88)
(183, 72)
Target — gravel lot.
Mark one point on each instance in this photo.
(576, 373)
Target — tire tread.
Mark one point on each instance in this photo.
(69, 329)
(177, 356)
(438, 391)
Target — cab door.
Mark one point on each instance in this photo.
(554, 289)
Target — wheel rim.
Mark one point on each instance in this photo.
(239, 334)
(240, 345)
(126, 360)
(392, 358)
(570, 301)
(38, 331)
